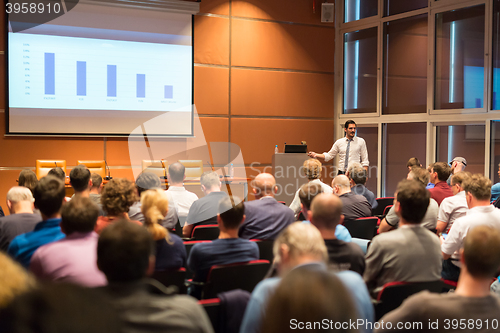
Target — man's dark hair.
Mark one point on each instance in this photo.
(357, 173)
(442, 169)
(349, 122)
(413, 162)
(147, 181)
(123, 251)
(176, 172)
(413, 199)
(482, 251)
(27, 178)
(308, 192)
(96, 180)
(49, 195)
(79, 178)
(57, 172)
(79, 215)
(231, 211)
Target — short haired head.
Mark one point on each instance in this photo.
(79, 215)
(27, 178)
(349, 122)
(123, 251)
(341, 184)
(308, 192)
(413, 200)
(421, 175)
(57, 172)
(479, 186)
(19, 193)
(357, 173)
(49, 195)
(96, 180)
(231, 212)
(459, 160)
(482, 251)
(326, 211)
(413, 162)
(459, 178)
(154, 207)
(312, 168)
(210, 179)
(442, 169)
(79, 177)
(147, 181)
(264, 184)
(117, 196)
(176, 172)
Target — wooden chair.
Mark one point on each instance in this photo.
(205, 232)
(364, 227)
(382, 203)
(156, 167)
(174, 277)
(98, 167)
(44, 166)
(265, 249)
(194, 168)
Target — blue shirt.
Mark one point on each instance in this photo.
(23, 246)
(495, 192)
(341, 232)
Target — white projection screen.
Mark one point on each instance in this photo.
(101, 70)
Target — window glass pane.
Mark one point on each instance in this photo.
(496, 56)
(393, 7)
(495, 151)
(401, 142)
(360, 9)
(360, 71)
(370, 135)
(460, 58)
(466, 141)
(405, 66)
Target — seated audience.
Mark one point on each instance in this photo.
(307, 193)
(179, 199)
(14, 280)
(58, 172)
(477, 193)
(312, 169)
(49, 198)
(96, 188)
(116, 198)
(471, 302)
(125, 253)
(440, 172)
(79, 178)
(495, 189)
(354, 206)
(73, 258)
(411, 253)
(27, 178)
(265, 217)
(325, 214)
(391, 220)
(412, 163)
(170, 250)
(145, 181)
(21, 219)
(204, 210)
(430, 184)
(453, 207)
(300, 246)
(457, 165)
(357, 177)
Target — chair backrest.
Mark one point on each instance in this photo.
(177, 229)
(155, 166)
(173, 277)
(194, 168)
(382, 203)
(243, 276)
(213, 309)
(265, 249)
(387, 209)
(205, 232)
(44, 166)
(363, 227)
(189, 244)
(98, 167)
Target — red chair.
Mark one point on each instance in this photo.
(213, 309)
(170, 278)
(382, 203)
(387, 209)
(265, 249)
(205, 232)
(364, 227)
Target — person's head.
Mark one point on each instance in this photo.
(96, 181)
(19, 198)
(117, 196)
(176, 173)
(458, 164)
(350, 129)
(357, 173)
(412, 200)
(477, 189)
(440, 172)
(79, 215)
(481, 252)
(308, 296)
(27, 178)
(79, 178)
(231, 213)
(307, 193)
(57, 172)
(341, 185)
(154, 207)
(210, 182)
(264, 185)
(297, 244)
(14, 280)
(457, 180)
(413, 162)
(420, 174)
(312, 168)
(326, 211)
(49, 195)
(125, 252)
(147, 181)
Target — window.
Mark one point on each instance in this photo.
(359, 9)
(495, 105)
(393, 7)
(495, 151)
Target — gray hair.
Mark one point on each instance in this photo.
(302, 239)
(20, 193)
(210, 179)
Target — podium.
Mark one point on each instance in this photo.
(287, 169)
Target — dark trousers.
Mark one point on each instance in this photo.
(450, 271)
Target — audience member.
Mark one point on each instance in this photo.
(495, 189)
(14, 280)
(453, 207)
(58, 172)
(325, 214)
(440, 172)
(79, 178)
(145, 181)
(411, 253)
(300, 246)
(179, 199)
(357, 177)
(96, 188)
(21, 219)
(477, 193)
(265, 217)
(354, 206)
(27, 178)
(429, 184)
(49, 198)
(307, 193)
(125, 253)
(312, 169)
(116, 198)
(204, 210)
(73, 258)
(170, 250)
(391, 220)
(457, 165)
(471, 302)
(412, 163)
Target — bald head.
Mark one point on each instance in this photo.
(264, 185)
(326, 210)
(341, 185)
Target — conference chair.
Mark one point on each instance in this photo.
(265, 249)
(205, 232)
(44, 166)
(156, 167)
(382, 203)
(213, 309)
(172, 277)
(387, 209)
(363, 227)
(194, 168)
(98, 167)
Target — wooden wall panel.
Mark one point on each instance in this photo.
(215, 129)
(220, 7)
(211, 90)
(211, 40)
(117, 151)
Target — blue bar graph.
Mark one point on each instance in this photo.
(141, 85)
(111, 80)
(50, 73)
(81, 78)
(169, 92)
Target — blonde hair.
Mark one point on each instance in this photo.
(13, 279)
(312, 168)
(154, 207)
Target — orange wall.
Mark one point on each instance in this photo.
(263, 76)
